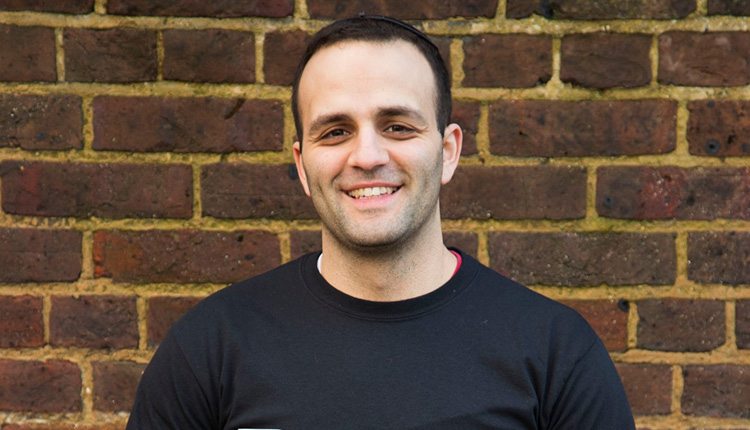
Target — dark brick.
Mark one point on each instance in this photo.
(719, 257)
(184, 255)
(115, 384)
(103, 190)
(600, 9)
(304, 242)
(608, 318)
(680, 325)
(704, 59)
(428, 9)
(515, 192)
(605, 60)
(466, 114)
(234, 190)
(648, 387)
(215, 8)
(545, 128)
(33, 386)
(716, 391)
(673, 192)
(578, 259)
(742, 325)
(719, 128)
(28, 255)
(281, 53)
(27, 54)
(729, 7)
(151, 124)
(35, 426)
(94, 322)
(41, 122)
(113, 55)
(59, 6)
(220, 56)
(509, 60)
(163, 312)
(21, 322)
(466, 242)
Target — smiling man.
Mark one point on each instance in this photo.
(386, 328)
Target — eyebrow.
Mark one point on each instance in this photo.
(324, 120)
(406, 111)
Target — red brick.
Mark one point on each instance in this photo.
(281, 53)
(704, 59)
(215, 8)
(219, 56)
(719, 257)
(154, 124)
(29, 255)
(428, 9)
(729, 7)
(742, 325)
(115, 384)
(103, 190)
(466, 114)
(600, 9)
(605, 60)
(41, 122)
(94, 322)
(608, 318)
(21, 322)
(648, 387)
(546, 128)
(163, 312)
(33, 386)
(184, 255)
(517, 192)
(681, 325)
(60, 6)
(234, 190)
(719, 128)
(673, 193)
(304, 242)
(716, 391)
(508, 60)
(579, 259)
(113, 55)
(467, 242)
(27, 54)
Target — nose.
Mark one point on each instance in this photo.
(368, 151)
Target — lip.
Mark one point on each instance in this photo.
(371, 185)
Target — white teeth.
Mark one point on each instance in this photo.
(363, 193)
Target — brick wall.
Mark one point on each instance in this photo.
(145, 151)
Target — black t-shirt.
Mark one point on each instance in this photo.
(285, 350)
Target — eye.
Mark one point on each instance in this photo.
(399, 130)
(334, 134)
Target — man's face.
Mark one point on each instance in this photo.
(373, 158)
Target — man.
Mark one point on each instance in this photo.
(386, 329)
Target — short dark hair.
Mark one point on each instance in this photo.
(374, 28)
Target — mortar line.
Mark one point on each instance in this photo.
(160, 55)
(730, 311)
(285, 246)
(678, 386)
(632, 325)
(87, 256)
(653, 56)
(60, 54)
(482, 138)
(142, 306)
(456, 61)
(260, 40)
(100, 7)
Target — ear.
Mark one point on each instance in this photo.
(453, 139)
(297, 148)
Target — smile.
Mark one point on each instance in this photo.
(370, 192)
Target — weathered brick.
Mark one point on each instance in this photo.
(742, 324)
(42, 426)
(605, 60)
(729, 7)
(704, 59)
(27, 54)
(115, 384)
(466, 114)
(163, 312)
(648, 387)
(719, 257)
(220, 56)
(716, 391)
(673, 192)
(103, 190)
(41, 122)
(601, 9)
(680, 325)
(59, 6)
(184, 255)
(281, 53)
(609, 318)
(578, 259)
(719, 128)
(151, 124)
(30, 255)
(546, 128)
(304, 242)
(234, 190)
(21, 322)
(467, 242)
(517, 192)
(112, 55)
(215, 8)
(428, 9)
(509, 60)
(94, 322)
(33, 386)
